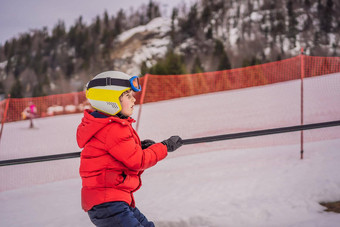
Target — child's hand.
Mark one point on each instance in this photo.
(147, 143)
(173, 143)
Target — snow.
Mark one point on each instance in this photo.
(301, 19)
(155, 47)
(234, 34)
(286, 44)
(267, 51)
(332, 39)
(255, 16)
(257, 181)
(242, 9)
(3, 64)
(159, 24)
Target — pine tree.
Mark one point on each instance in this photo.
(59, 30)
(209, 34)
(197, 67)
(292, 23)
(119, 22)
(206, 14)
(38, 90)
(219, 51)
(96, 28)
(69, 68)
(190, 24)
(174, 16)
(172, 64)
(152, 11)
(219, 47)
(224, 62)
(106, 19)
(143, 68)
(6, 49)
(2, 88)
(326, 21)
(158, 69)
(16, 89)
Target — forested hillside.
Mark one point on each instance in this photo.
(207, 36)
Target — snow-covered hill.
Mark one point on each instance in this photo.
(145, 43)
(257, 181)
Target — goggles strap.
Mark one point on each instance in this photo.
(108, 81)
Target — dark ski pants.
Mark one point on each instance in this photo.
(118, 214)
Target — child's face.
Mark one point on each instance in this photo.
(127, 101)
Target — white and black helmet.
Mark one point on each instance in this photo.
(104, 90)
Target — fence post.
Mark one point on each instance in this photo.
(142, 100)
(302, 76)
(4, 115)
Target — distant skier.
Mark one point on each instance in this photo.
(113, 157)
(29, 112)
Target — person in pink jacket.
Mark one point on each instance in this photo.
(30, 112)
(113, 157)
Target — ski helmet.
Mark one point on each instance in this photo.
(104, 90)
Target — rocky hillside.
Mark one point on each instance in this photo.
(207, 36)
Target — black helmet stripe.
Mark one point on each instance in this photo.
(108, 81)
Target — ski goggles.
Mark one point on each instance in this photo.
(133, 82)
(135, 85)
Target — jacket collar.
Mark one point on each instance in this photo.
(100, 115)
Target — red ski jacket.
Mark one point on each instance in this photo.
(112, 160)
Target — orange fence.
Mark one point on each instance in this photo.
(174, 86)
(46, 106)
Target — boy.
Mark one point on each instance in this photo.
(113, 157)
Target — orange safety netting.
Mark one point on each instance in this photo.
(46, 106)
(175, 86)
(160, 87)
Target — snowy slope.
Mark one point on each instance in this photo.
(142, 43)
(257, 181)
